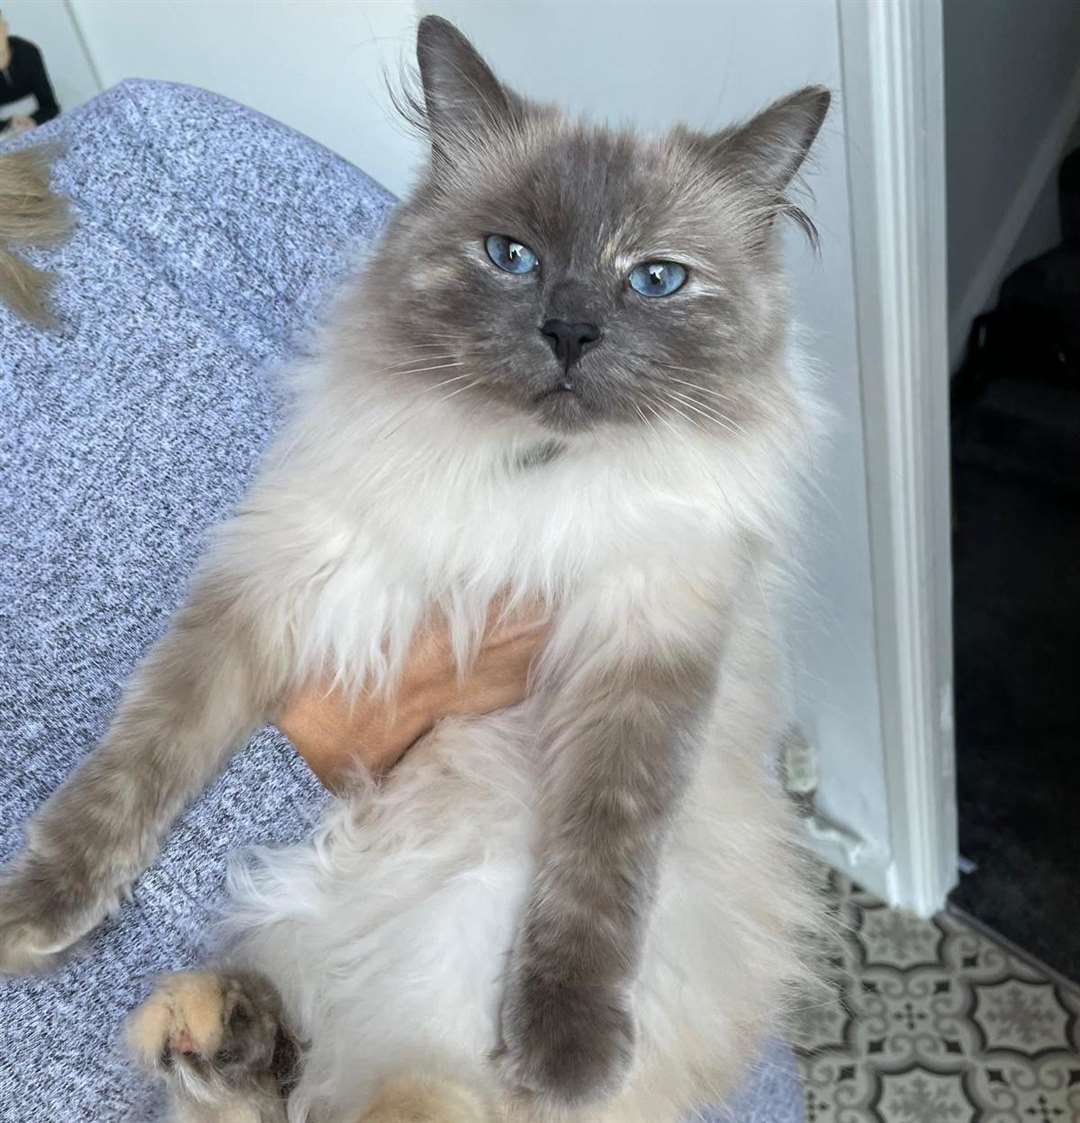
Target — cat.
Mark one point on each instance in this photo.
(565, 374)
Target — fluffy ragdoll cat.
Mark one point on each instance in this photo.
(564, 374)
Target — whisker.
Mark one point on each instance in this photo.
(697, 407)
(719, 487)
(686, 417)
(461, 389)
(405, 363)
(411, 404)
(726, 422)
(707, 469)
(648, 423)
(422, 370)
(437, 401)
(695, 385)
(663, 397)
(445, 382)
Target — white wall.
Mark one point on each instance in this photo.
(48, 24)
(1012, 95)
(317, 65)
(651, 62)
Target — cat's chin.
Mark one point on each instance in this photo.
(564, 411)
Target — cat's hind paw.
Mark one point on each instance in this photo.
(215, 1030)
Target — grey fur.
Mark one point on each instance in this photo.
(619, 743)
(620, 748)
(197, 695)
(592, 203)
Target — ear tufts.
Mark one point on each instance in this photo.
(768, 150)
(461, 93)
(773, 145)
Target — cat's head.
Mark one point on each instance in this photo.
(581, 276)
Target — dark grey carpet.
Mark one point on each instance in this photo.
(1016, 495)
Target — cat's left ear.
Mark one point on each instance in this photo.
(771, 147)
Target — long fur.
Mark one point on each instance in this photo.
(388, 932)
(31, 214)
(586, 908)
(387, 935)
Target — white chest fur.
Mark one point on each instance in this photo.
(366, 534)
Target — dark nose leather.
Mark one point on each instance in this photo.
(569, 341)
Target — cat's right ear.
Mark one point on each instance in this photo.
(461, 94)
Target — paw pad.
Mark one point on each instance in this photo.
(184, 1015)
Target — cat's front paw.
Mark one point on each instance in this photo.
(40, 917)
(568, 1042)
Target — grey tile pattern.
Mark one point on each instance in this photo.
(933, 1021)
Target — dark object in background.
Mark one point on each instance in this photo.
(1016, 569)
(1069, 199)
(1016, 623)
(1034, 332)
(26, 76)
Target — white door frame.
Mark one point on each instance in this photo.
(894, 105)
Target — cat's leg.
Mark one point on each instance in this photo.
(196, 696)
(629, 687)
(219, 1041)
(418, 1099)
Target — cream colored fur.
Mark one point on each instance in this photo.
(31, 214)
(388, 933)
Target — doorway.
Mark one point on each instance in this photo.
(1012, 100)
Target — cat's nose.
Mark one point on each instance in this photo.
(568, 340)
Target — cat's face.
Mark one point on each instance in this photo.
(581, 276)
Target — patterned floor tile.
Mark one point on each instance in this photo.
(932, 1021)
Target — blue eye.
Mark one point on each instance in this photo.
(657, 278)
(510, 255)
